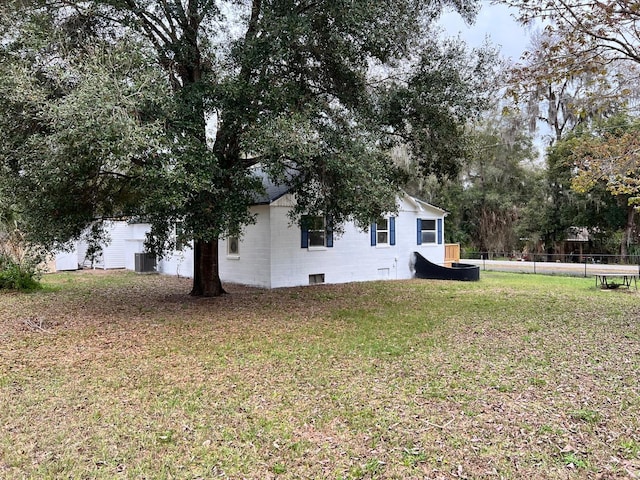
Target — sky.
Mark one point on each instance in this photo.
(494, 22)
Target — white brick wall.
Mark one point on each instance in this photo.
(352, 258)
(271, 256)
(114, 254)
(252, 265)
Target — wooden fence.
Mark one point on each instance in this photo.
(451, 253)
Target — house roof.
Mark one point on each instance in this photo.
(422, 205)
(273, 191)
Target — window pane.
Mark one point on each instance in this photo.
(382, 237)
(317, 223)
(233, 246)
(429, 225)
(316, 238)
(313, 223)
(428, 237)
(382, 224)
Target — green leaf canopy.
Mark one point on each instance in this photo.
(161, 108)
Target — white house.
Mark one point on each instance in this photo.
(125, 238)
(274, 253)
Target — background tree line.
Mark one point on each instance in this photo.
(576, 86)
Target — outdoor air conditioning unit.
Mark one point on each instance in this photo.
(145, 263)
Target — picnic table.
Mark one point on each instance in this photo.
(615, 280)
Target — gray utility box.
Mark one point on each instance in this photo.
(145, 263)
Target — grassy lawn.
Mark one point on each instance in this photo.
(114, 375)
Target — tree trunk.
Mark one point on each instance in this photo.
(628, 232)
(206, 277)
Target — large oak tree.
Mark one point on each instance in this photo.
(163, 108)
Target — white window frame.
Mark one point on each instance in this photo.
(230, 241)
(383, 231)
(428, 231)
(313, 233)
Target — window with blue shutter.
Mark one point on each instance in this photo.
(315, 231)
(427, 231)
(329, 233)
(383, 232)
(392, 230)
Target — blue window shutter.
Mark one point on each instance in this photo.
(392, 230)
(439, 231)
(419, 231)
(373, 235)
(304, 243)
(329, 233)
